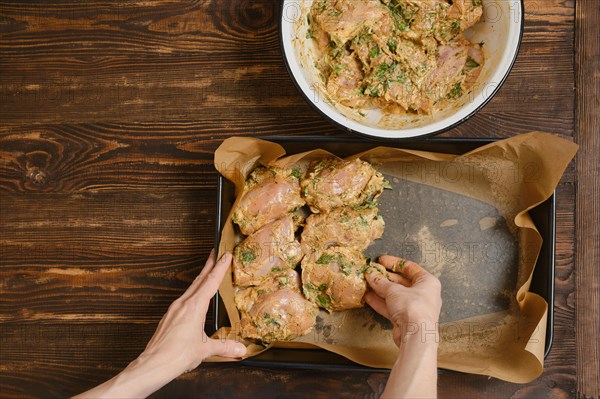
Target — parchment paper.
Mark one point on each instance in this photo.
(465, 219)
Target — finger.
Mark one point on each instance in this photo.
(407, 268)
(210, 262)
(379, 283)
(226, 348)
(377, 303)
(209, 286)
(396, 278)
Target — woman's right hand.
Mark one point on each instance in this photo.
(410, 297)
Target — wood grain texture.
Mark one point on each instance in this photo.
(110, 112)
(587, 256)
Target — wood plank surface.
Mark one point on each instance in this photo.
(587, 256)
(110, 112)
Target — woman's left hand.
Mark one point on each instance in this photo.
(180, 335)
(179, 343)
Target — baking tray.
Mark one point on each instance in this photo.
(543, 216)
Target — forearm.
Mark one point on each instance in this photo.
(414, 374)
(142, 377)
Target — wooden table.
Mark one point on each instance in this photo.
(109, 115)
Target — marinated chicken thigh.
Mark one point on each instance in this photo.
(271, 248)
(334, 183)
(342, 227)
(276, 310)
(394, 54)
(269, 194)
(334, 279)
(271, 208)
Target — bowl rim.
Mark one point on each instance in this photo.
(345, 128)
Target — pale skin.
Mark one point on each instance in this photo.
(179, 343)
(410, 299)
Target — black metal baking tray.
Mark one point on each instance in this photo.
(543, 216)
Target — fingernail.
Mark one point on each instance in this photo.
(225, 258)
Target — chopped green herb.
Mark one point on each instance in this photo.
(260, 292)
(476, 3)
(400, 77)
(387, 185)
(471, 63)
(277, 269)
(309, 33)
(392, 45)
(325, 259)
(322, 287)
(364, 221)
(456, 91)
(369, 204)
(344, 218)
(401, 23)
(296, 172)
(308, 287)
(383, 69)
(374, 51)
(247, 256)
(324, 301)
(455, 25)
(270, 320)
(345, 268)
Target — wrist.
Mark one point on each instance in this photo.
(171, 366)
(418, 332)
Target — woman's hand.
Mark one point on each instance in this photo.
(179, 343)
(410, 297)
(180, 334)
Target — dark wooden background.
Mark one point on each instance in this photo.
(109, 115)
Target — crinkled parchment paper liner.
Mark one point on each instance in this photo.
(513, 175)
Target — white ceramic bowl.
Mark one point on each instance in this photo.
(501, 29)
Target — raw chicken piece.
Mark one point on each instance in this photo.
(446, 81)
(334, 279)
(343, 82)
(423, 15)
(276, 309)
(468, 12)
(334, 183)
(474, 65)
(247, 297)
(342, 227)
(269, 194)
(272, 248)
(342, 19)
(401, 56)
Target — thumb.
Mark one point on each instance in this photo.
(226, 348)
